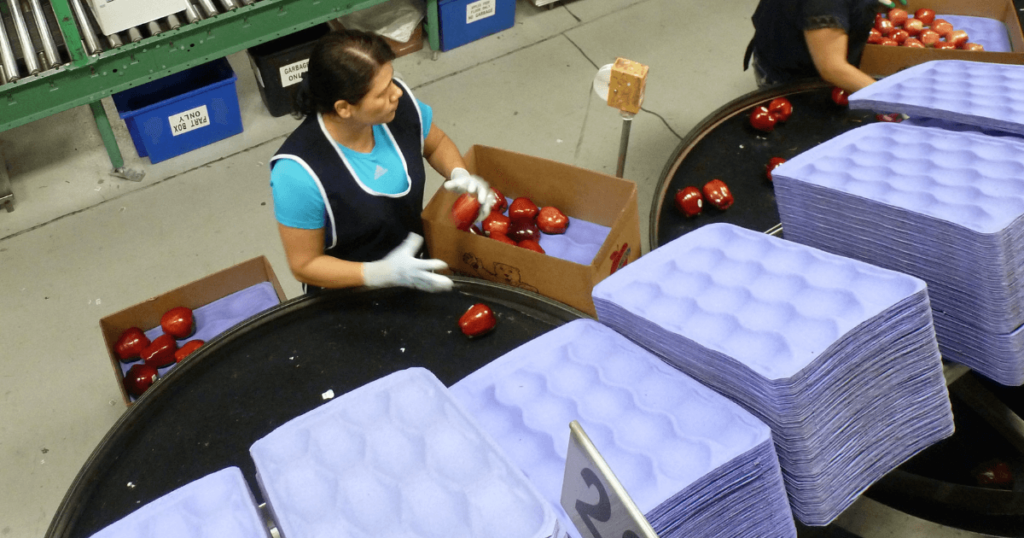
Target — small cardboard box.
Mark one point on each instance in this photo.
(146, 315)
(626, 85)
(880, 60)
(579, 193)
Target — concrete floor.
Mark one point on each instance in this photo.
(82, 244)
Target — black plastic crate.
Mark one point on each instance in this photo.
(279, 65)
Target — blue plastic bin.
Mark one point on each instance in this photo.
(463, 21)
(182, 112)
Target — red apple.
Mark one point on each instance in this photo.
(496, 223)
(973, 46)
(874, 36)
(913, 26)
(160, 353)
(773, 163)
(130, 344)
(925, 15)
(884, 26)
(994, 473)
(942, 26)
(465, 211)
(781, 108)
(689, 201)
(897, 16)
(913, 43)
(929, 37)
(717, 193)
(500, 203)
(502, 238)
(762, 120)
(522, 208)
(523, 229)
(840, 97)
(187, 349)
(943, 45)
(530, 244)
(889, 42)
(957, 38)
(552, 221)
(477, 321)
(899, 36)
(138, 378)
(178, 322)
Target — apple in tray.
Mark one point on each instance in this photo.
(477, 321)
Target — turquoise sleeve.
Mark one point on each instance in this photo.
(297, 199)
(426, 116)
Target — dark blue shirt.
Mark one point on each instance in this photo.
(779, 27)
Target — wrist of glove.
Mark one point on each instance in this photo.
(464, 182)
(402, 268)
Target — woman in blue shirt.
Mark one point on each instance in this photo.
(795, 39)
(348, 182)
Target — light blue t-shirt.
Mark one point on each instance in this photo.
(297, 199)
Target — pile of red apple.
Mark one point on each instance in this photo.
(521, 225)
(923, 30)
(177, 324)
(690, 201)
(764, 117)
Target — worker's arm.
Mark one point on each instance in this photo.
(441, 152)
(828, 48)
(443, 156)
(308, 263)
(305, 252)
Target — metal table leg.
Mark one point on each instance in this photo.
(6, 196)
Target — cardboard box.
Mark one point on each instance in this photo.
(400, 49)
(579, 193)
(146, 315)
(879, 60)
(626, 85)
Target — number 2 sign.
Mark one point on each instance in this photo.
(594, 498)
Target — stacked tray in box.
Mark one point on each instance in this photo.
(693, 462)
(837, 356)
(396, 457)
(218, 505)
(943, 205)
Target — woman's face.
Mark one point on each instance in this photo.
(380, 103)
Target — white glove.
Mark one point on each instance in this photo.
(890, 4)
(401, 267)
(464, 182)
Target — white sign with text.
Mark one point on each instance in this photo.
(594, 499)
(479, 10)
(291, 74)
(189, 120)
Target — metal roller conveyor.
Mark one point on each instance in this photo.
(229, 5)
(173, 22)
(209, 8)
(85, 28)
(191, 14)
(28, 50)
(43, 30)
(134, 35)
(3, 76)
(153, 28)
(10, 65)
(114, 40)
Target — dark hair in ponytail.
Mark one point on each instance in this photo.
(341, 68)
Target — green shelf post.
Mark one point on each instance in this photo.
(69, 28)
(433, 26)
(107, 134)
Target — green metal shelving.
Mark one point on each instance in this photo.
(90, 78)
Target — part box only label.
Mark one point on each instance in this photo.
(291, 74)
(189, 120)
(479, 10)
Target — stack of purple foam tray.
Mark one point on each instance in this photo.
(943, 205)
(986, 95)
(837, 356)
(695, 463)
(396, 457)
(218, 505)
